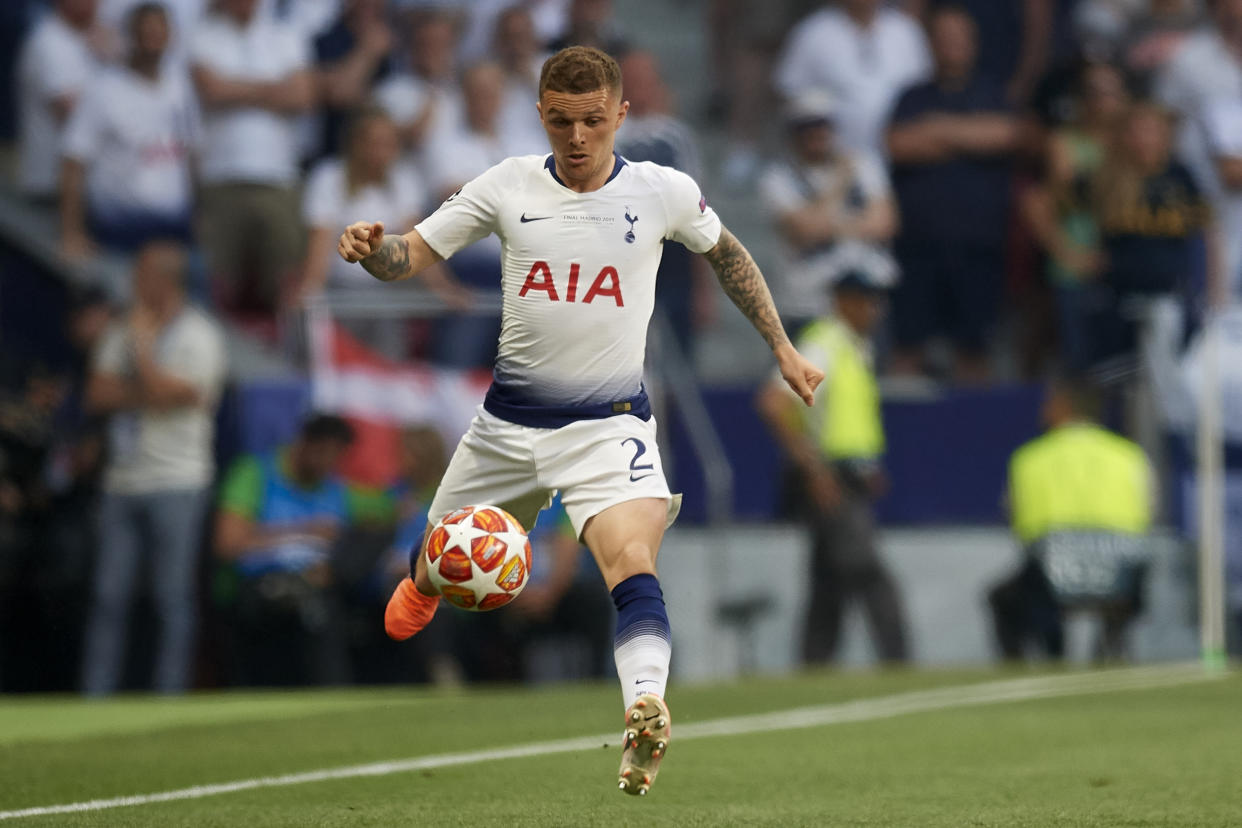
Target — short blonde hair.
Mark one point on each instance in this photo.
(579, 69)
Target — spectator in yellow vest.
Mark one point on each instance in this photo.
(837, 447)
(1079, 477)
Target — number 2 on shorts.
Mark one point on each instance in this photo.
(640, 448)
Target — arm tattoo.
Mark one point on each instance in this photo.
(744, 284)
(391, 261)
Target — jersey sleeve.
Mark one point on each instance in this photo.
(1224, 128)
(242, 489)
(778, 193)
(467, 215)
(690, 220)
(85, 127)
(199, 358)
(871, 177)
(321, 200)
(113, 354)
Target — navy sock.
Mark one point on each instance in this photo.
(643, 644)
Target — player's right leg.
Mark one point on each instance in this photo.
(491, 465)
(414, 601)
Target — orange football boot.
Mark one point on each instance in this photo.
(408, 610)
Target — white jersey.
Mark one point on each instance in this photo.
(579, 272)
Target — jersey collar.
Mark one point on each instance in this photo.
(550, 166)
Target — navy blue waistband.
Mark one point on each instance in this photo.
(510, 404)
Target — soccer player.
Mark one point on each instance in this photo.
(581, 232)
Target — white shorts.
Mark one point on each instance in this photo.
(594, 464)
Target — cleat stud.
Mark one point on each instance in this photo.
(625, 774)
(661, 745)
(655, 754)
(640, 703)
(646, 779)
(621, 786)
(635, 716)
(661, 723)
(645, 732)
(642, 791)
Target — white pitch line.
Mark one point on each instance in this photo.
(884, 707)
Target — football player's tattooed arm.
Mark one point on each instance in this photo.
(740, 277)
(392, 258)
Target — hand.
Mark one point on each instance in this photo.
(536, 602)
(823, 487)
(456, 295)
(376, 39)
(360, 239)
(1084, 263)
(801, 374)
(77, 247)
(11, 499)
(877, 483)
(144, 327)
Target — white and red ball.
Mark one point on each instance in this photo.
(478, 557)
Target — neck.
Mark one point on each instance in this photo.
(74, 23)
(360, 174)
(862, 17)
(953, 78)
(148, 67)
(593, 183)
(165, 311)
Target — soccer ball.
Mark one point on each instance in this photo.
(478, 557)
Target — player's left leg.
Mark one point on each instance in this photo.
(613, 487)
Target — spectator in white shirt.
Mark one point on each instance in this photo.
(60, 56)
(518, 51)
(183, 15)
(862, 54)
(1223, 123)
(253, 80)
(478, 41)
(425, 98)
(158, 377)
(369, 180)
(454, 157)
(126, 174)
(1208, 66)
(834, 210)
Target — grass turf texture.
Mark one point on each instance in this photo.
(1155, 757)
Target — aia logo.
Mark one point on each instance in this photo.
(607, 283)
(629, 234)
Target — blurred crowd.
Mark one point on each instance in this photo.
(1029, 182)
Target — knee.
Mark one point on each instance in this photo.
(634, 558)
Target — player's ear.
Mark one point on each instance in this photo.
(539, 109)
(621, 112)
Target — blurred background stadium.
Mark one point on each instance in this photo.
(1053, 186)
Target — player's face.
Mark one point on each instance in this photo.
(581, 129)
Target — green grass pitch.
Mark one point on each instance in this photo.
(1165, 756)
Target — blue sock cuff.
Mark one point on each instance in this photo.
(640, 608)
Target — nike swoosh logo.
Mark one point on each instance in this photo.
(524, 219)
(634, 479)
(645, 681)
